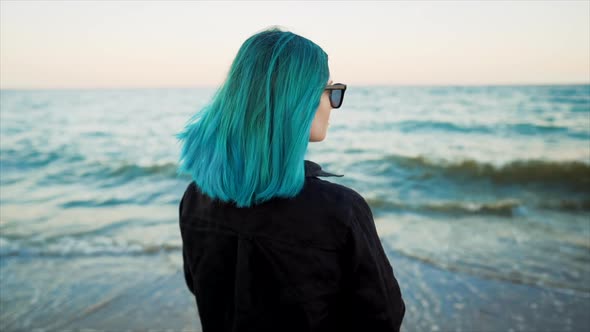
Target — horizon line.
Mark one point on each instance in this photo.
(364, 85)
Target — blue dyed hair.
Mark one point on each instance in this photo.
(248, 144)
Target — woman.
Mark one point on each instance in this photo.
(267, 244)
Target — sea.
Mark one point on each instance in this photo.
(480, 195)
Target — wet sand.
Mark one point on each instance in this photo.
(147, 293)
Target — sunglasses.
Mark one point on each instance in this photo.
(336, 94)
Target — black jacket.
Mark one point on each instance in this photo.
(310, 263)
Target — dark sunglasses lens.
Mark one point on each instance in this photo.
(336, 98)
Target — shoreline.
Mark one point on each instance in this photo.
(148, 293)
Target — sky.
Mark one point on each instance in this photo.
(126, 44)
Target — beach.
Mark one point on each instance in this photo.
(147, 293)
(480, 197)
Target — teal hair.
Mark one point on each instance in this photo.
(248, 144)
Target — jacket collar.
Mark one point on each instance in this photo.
(312, 169)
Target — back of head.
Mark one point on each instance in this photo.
(248, 144)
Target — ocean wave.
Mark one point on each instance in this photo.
(524, 129)
(417, 125)
(567, 205)
(23, 158)
(504, 208)
(134, 170)
(574, 175)
(110, 174)
(70, 246)
(62, 165)
(97, 203)
(515, 275)
(501, 208)
(571, 100)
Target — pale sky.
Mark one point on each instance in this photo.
(110, 44)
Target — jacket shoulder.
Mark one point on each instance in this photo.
(331, 193)
(335, 188)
